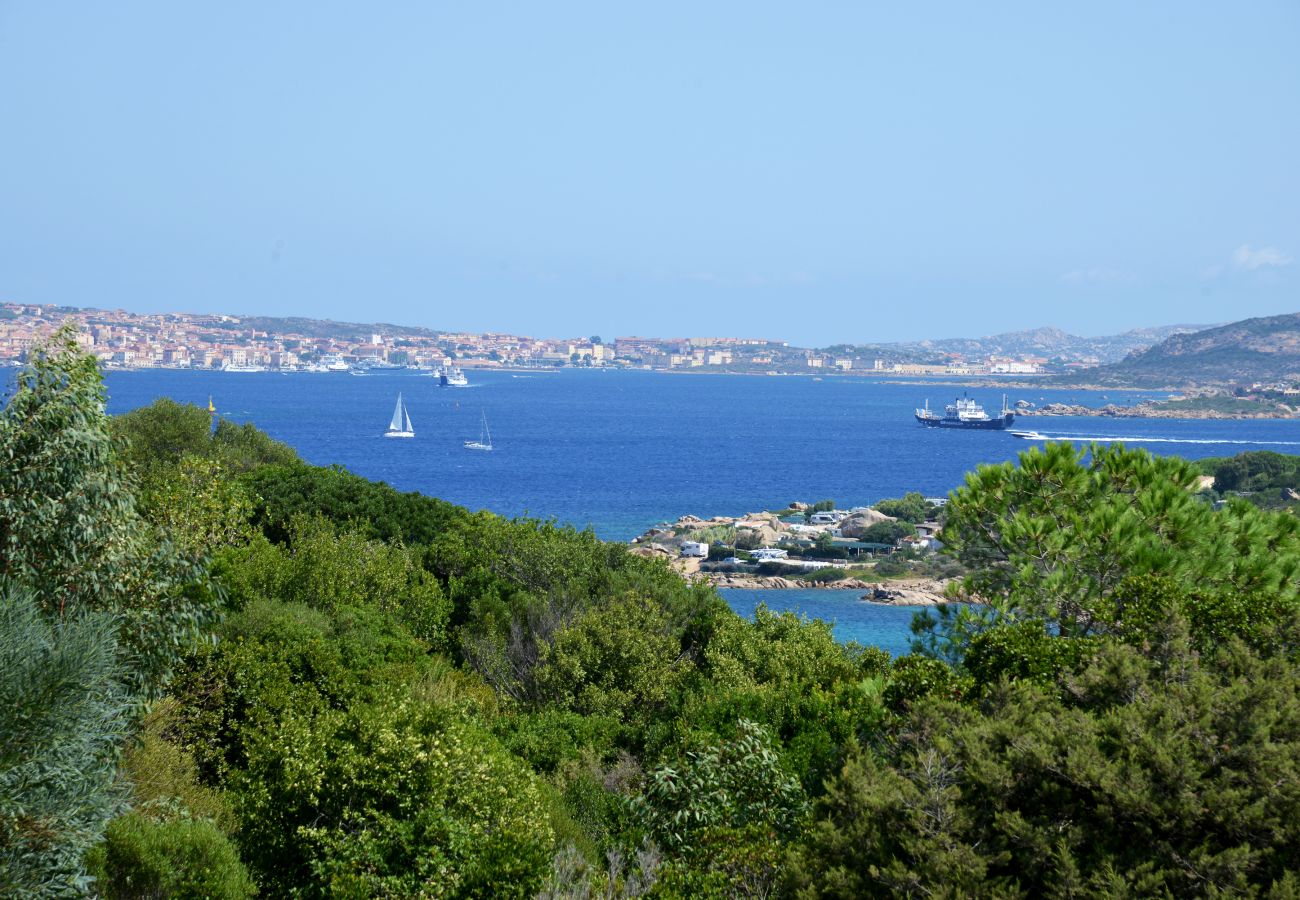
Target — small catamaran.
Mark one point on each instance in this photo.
(401, 424)
(484, 441)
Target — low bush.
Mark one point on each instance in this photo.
(825, 576)
(892, 567)
(180, 859)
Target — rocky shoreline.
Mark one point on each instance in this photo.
(1148, 410)
(901, 592)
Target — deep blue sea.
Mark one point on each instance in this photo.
(620, 451)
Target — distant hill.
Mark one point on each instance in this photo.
(1051, 343)
(1265, 349)
(323, 328)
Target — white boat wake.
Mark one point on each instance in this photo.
(1134, 439)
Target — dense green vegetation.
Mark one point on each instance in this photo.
(224, 672)
(910, 508)
(1262, 477)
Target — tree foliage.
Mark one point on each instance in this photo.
(910, 508)
(157, 437)
(1055, 536)
(186, 859)
(62, 720)
(1148, 777)
(408, 699)
(285, 492)
(737, 783)
(886, 532)
(69, 527)
(95, 610)
(1256, 470)
(199, 506)
(389, 799)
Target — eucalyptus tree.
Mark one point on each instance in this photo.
(95, 608)
(69, 527)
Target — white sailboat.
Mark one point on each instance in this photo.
(484, 441)
(401, 424)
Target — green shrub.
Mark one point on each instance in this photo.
(873, 661)
(180, 858)
(915, 678)
(724, 863)
(286, 492)
(910, 508)
(1023, 651)
(389, 798)
(326, 567)
(737, 783)
(619, 660)
(886, 532)
(158, 436)
(891, 566)
(551, 737)
(164, 775)
(824, 576)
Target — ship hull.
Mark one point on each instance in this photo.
(983, 425)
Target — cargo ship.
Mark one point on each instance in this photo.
(965, 413)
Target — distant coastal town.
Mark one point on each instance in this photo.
(1243, 370)
(127, 340)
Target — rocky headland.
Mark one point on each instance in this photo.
(769, 529)
(759, 529)
(1158, 409)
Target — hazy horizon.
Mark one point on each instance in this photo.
(827, 175)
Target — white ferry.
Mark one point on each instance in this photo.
(451, 376)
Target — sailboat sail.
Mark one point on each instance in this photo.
(400, 426)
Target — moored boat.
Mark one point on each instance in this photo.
(484, 441)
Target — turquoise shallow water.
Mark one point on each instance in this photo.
(871, 624)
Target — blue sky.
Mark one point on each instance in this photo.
(816, 172)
